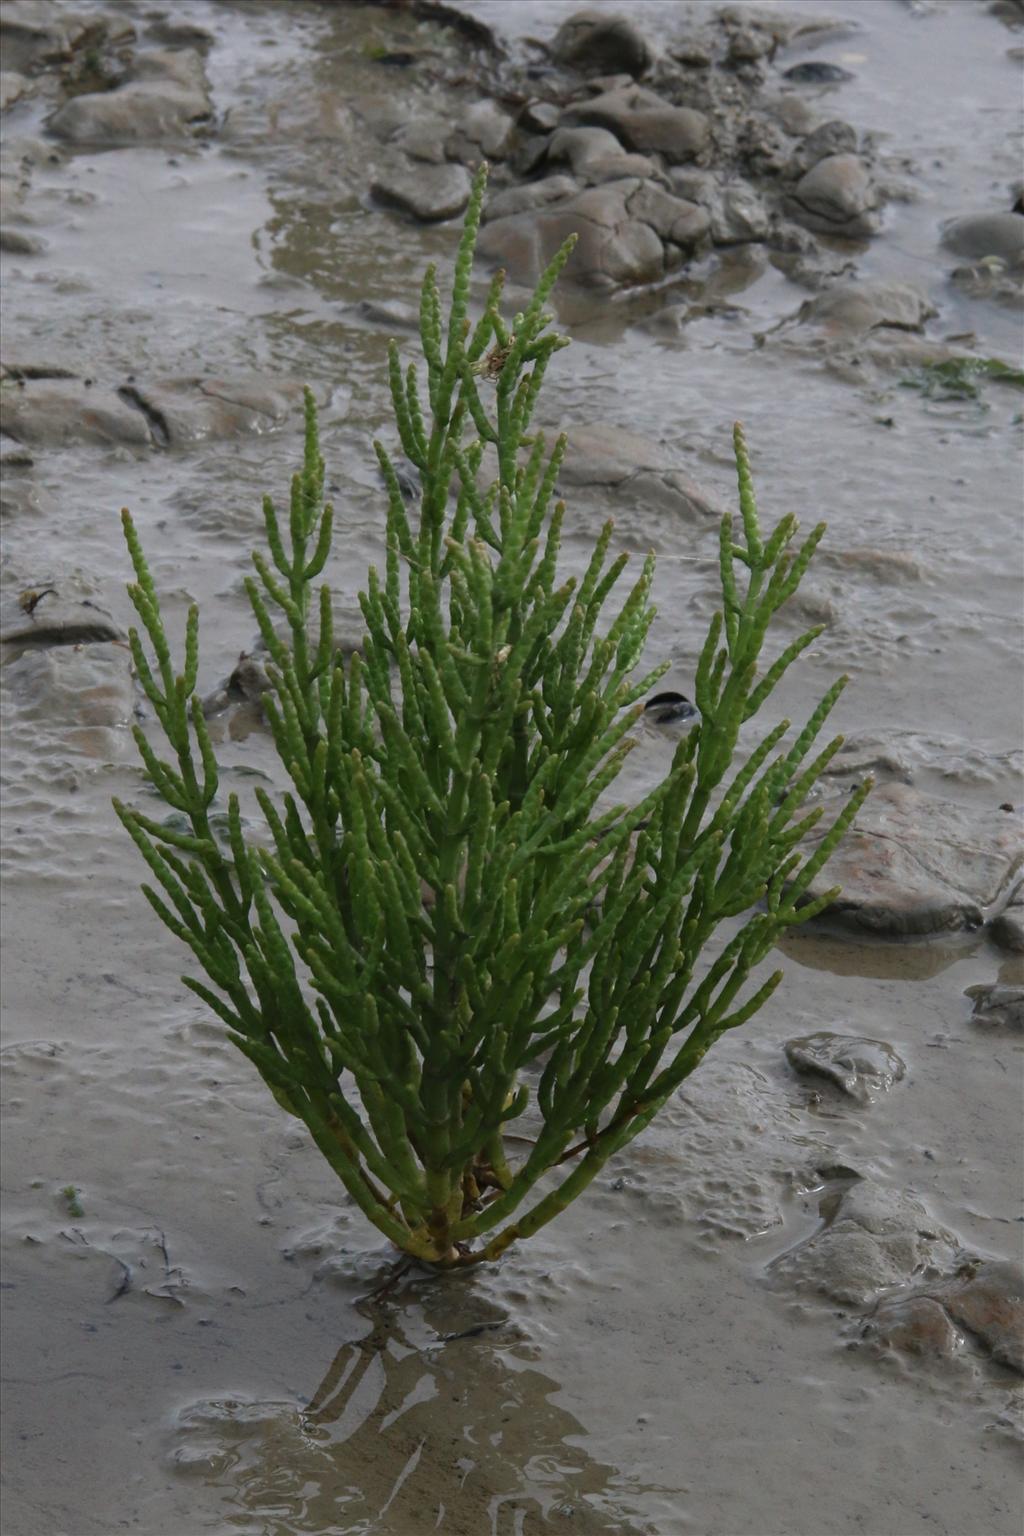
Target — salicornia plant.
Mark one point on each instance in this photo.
(451, 920)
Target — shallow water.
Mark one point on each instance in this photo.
(196, 1352)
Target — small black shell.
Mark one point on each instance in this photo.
(817, 72)
(664, 708)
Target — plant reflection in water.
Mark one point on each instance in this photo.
(434, 1420)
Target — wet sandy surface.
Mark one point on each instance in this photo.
(195, 1352)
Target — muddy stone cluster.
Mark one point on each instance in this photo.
(656, 160)
(653, 160)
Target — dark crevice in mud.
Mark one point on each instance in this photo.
(156, 418)
(20, 372)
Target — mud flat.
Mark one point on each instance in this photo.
(792, 1307)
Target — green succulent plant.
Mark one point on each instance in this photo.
(450, 923)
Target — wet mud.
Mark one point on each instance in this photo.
(789, 1309)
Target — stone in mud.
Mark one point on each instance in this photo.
(42, 617)
(167, 413)
(180, 34)
(18, 242)
(249, 681)
(539, 117)
(528, 154)
(829, 139)
(991, 281)
(793, 114)
(987, 1298)
(890, 567)
(677, 221)
(642, 121)
(785, 26)
(854, 309)
(906, 754)
(13, 87)
(915, 864)
(34, 33)
(817, 72)
(692, 52)
(986, 234)
(604, 456)
(190, 410)
(616, 246)
(578, 145)
(836, 197)
(595, 155)
(85, 693)
(429, 192)
(165, 96)
(982, 1300)
(630, 232)
(1008, 928)
(393, 314)
(862, 1069)
(423, 138)
(763, 147)
(872, 1239)
(748, 44)
(914, 1325)
(737, 213)
(738, 216)
(47, 413)
(997, 1006)
(484, 132)
(889, 350)
(602, 42)
(20, 496)
(536, 194)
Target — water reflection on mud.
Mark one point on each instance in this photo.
(420, 1425)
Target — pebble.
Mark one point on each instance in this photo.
(982, 1301)
(861, 1069)
(12, 88)
(914, 1325)
(855, 308)
(986, 234)
(35, 35)
(630, 231)
(987, 1298)
(602, 456)
(484, 132)
(165, 413)
(600, 41)
(539, 116)
(1008, 928)
(916, 864)
(48, 413)
(816, 72)
(643, 121)
(82, 694)
(429, 192)
(595, 155)
(871, 1239)
(836, 197)
(165, 96)
(42, 617)
(832, 138)
(997, 1006)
